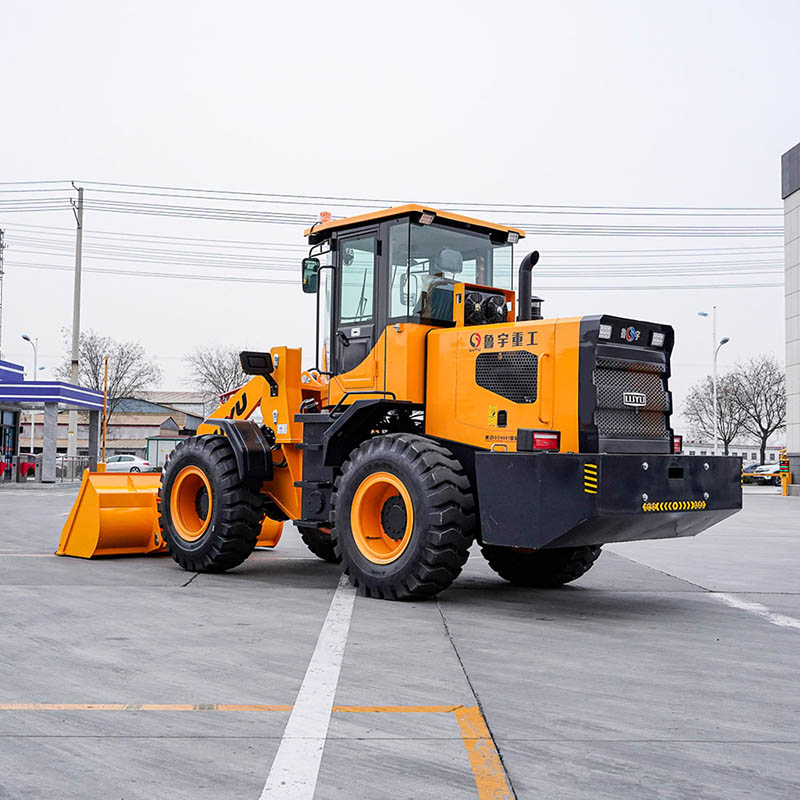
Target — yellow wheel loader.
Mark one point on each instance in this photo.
(440, 409)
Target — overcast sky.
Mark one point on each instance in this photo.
(570, 103)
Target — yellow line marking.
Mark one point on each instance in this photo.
(487, 769)
(490, 777)
(139, 707)
(396, 709)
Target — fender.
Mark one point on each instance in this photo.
(250, 446)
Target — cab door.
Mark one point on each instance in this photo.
(354, 326)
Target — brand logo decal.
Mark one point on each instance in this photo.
(475, 340)
(630, 334)
(634, 399)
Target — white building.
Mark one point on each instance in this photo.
(748, 451)
(790, 191)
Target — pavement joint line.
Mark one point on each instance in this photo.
(485, 758)
(782, 620)
(295, 768)
(184, 585)
(661, 571)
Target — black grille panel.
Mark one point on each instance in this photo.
(612, 384)
(616, 419)
(513, 375)
(619, 423)
(634, 366)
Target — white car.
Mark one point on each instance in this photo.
(127, 464)
(770, 473)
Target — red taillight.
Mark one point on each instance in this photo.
(546, 440)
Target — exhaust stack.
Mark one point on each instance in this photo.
(524, 294)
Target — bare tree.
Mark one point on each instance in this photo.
(131, 370)
(761, 397)
(699, 409)
(216, 369)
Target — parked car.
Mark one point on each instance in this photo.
(770, 473)
(751, 466)
(128, 464)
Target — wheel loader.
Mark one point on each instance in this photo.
(439, 408)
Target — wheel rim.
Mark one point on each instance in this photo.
(382, 518)
(191, 503)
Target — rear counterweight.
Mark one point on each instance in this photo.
(548, 500)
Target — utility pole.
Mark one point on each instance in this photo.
(2, 247)
(77, 209)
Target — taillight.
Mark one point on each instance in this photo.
(529, 439)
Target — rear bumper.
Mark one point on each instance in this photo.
(536, 500)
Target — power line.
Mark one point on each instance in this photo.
(382, 202)
(311, 199)
(252, 244)
(294, 282)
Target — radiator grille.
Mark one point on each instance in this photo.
(513, 375)
(613, 379)
(618, 423)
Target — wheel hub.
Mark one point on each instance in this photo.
(201, 503)
(382, 517)
(191, 503)
(394, 518)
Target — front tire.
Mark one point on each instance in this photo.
(543, 569)
(404, 517)
(210, 519)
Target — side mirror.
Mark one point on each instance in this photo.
(310, 275)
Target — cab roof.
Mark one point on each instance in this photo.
(319, 232)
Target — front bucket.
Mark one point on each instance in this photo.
(114, 514)
(270, 533)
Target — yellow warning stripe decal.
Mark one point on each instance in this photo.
(590, 478)
(675, 505)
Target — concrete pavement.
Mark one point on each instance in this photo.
(636, 681)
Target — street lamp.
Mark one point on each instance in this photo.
(34, 343)
(724, 340)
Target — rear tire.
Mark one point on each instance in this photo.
(210, 519)
(404, 517)
(543, 569)
(319, 543)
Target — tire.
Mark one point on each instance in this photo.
(388, 550)
(135, 469)
(544, 569)
(201, 472)
(319, 543)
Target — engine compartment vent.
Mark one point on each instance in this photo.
(513, 375)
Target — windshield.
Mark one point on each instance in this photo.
(425, 262)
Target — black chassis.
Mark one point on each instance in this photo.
(538, 500)
(545, 500)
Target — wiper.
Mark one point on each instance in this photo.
(362, 302)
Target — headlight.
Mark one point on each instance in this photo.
(605, 331)
(657, 339)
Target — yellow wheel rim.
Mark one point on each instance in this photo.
(185, 496)
(382, 518)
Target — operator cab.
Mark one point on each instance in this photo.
(396, 266)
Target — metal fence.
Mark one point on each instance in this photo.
(24, 468)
